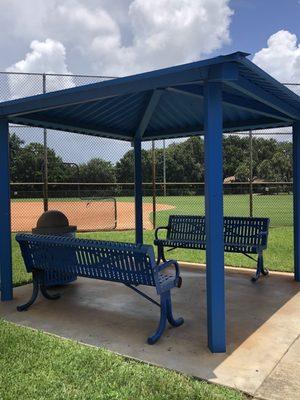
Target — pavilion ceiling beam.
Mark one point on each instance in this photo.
(227, 128)
(244, 86)
(253, 124)
(148, 112)
(57, 125)
(236, 102)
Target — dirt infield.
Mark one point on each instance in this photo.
(86, 215)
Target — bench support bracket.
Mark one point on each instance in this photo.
(165, 315)
(38, 284)
(260, 267)
(143, 295)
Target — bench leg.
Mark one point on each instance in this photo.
(160, 254)
(47, 295)
(165, 314)
(162, 322)
(38, 284)
(260, 269)
(170, 317)
(264, 270)
(35, 292)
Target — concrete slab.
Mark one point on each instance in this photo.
(284, 381)
(263, 322)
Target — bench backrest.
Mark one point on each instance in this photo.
(119, 262)
(242, 230)
(186, 227)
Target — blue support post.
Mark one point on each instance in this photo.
(5, 230)
(138, 195)
(296, 191)
(213, 159)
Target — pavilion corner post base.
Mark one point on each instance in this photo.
(38, 285)
(166, 314)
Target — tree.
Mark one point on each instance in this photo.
(184, 161)
(236, 152)
(97, 170)
(29, 164)
(263, 149)
(125, 167)
(15, 147)
(242, 173)
(265, 171)
(279, 167)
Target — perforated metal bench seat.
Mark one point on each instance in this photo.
(228, 247)
(126, 263)
(244, 235)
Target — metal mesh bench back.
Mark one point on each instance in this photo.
(186, 227)
(119, 262)
(237, 230)
(245, 230)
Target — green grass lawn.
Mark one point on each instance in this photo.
(34, 365)
(37, 366)
(278, 208)
(278, 257)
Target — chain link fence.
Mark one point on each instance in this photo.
(91, 179)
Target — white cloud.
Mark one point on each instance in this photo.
(164, 32)
(281, 58)
(49, 57)
(144, 35)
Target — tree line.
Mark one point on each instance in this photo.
(272, 161)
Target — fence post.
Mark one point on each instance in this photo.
(45, 177)
(153, 184)
(164, 168)
(251, 174)
(138, 190)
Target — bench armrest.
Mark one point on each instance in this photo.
(263, 235)
(159, 228)
(167, 264)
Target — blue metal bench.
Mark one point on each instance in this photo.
(241, 235)
(126, 263)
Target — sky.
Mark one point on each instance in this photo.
(122, 37)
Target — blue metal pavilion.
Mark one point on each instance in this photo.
(223, 94)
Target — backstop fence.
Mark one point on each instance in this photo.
(91, 179)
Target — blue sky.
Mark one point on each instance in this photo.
(254, 21)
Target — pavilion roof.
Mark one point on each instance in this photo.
(165, 103)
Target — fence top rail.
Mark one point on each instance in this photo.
(54, 74)
(144, 183)
(91, 76)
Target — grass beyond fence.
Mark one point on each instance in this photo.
(278, 257)
(38, 366)
(278, 208)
